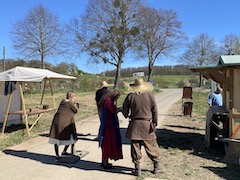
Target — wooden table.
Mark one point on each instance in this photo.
(33, 111)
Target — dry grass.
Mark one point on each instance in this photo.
(183, 152)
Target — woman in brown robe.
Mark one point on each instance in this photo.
(63, 129)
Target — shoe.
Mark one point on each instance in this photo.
(106, 165)
(66, 154)
(57, 158)
(137, 171)
(157, 168)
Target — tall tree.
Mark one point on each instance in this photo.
(230, 44)
(160, 34)
(201, 51)
(106, 31)
(38, 35)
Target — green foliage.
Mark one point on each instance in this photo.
(171, 81)
(200, 106)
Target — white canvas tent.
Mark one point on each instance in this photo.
(20, 75)
(16, 104)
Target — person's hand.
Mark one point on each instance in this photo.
(119, 109)
(77, 104)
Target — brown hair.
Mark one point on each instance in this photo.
(69, 94)
(114, 95)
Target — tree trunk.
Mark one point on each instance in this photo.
(200, 79)
(42, 60)
(150, 72)
(117, 76)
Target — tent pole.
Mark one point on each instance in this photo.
(54, 104)
(24, 107)
(44, 86)
(6, 114)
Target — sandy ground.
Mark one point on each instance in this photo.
(183, 155)
(35, 159)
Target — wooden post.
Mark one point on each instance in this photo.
(6, 114)
(44, 86)
(53, 100)
(234, 114)
(24, 107)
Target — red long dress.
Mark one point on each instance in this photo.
(111, 147)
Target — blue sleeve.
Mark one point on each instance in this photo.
(210, 97)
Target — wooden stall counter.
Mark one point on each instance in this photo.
(33, 111)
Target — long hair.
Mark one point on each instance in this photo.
(114, 95)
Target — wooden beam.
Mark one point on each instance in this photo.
(234, 114)
(6, 114)
(53, 100)
(217, 76)
(44, 86)
(24, 107)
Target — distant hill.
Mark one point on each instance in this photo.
(157, 70)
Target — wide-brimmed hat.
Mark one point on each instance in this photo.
(105, 84)
(140, 86)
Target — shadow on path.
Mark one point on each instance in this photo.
(81, 164)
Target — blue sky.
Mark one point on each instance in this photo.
(217, 18)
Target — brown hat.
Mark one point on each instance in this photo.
(140, 86)
(105, 84)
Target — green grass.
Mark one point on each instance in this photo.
(200, 106)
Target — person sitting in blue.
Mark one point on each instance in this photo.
(215, 98)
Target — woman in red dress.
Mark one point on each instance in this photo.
(109, 132)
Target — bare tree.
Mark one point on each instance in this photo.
(106, 31)
(230, 44)
(38, 35)
(201, 51)
(160, 35)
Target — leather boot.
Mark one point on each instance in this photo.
(156, 169)
(137, 170)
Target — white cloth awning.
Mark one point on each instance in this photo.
(28, 74)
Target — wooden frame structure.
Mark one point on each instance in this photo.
(27, 74)
(24, 112)
(227, 74)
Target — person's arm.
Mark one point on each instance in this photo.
(125, 108)
(210, 100)
(154, 110)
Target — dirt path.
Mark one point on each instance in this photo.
(35, 159)
(183, 155)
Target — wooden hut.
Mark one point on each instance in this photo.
(227, 74)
